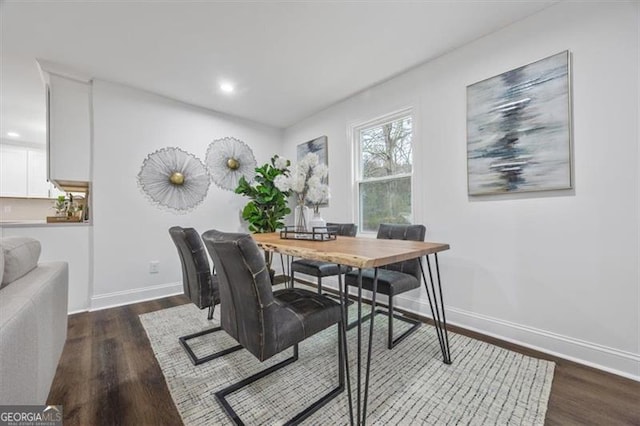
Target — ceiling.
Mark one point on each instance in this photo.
(288, 60)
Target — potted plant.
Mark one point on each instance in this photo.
(268, 205)
(61, 206)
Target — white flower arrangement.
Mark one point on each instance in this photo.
(306, 181)
(281, 163)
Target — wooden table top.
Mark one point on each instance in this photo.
(357, 252)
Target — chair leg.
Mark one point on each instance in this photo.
(391, 342)
(222, 394)
(292, 277)
(212, 308)
(319, 285)
(192, 356)
(364, 318)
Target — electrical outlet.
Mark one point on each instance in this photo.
(154, 267)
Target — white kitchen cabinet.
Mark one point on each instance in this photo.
(23, 172)
(13, 171)
(69, 129)
(37, 185)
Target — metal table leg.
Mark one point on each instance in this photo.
(437, 308)
(344, 299)
(368, 371)
(362, 395)
(288, 270)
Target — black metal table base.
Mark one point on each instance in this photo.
(436, 303)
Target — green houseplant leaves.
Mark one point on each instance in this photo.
(268, 205)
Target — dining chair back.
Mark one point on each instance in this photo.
(199, 285)
(394, 278)
(263, 321)
(318, 268)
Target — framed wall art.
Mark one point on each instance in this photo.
(317, 146)
(519, 129)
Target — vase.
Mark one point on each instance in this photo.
(317, 221)
(301, 214)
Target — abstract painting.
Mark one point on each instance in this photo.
(519, 129)
(316, 146)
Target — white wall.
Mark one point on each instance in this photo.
(558, 270)
(67, 243)
(128, 231)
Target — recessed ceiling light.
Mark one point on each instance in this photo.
(226, 87)
(13, 134)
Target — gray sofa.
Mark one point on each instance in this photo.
(33, 321)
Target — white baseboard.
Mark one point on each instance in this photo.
(612, 360)
(126, 297)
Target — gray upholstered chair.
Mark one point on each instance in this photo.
(395, 278)
(318, 268)
(263, 321)
(199, 285)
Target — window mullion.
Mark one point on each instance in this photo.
(383, 178)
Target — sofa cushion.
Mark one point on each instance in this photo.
(21, 256)
(1, 266)
(33, 329)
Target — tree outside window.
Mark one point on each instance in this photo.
(384, 171)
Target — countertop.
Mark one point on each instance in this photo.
(39, 222)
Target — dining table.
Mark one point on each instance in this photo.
(361, 253)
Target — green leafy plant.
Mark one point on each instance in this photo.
(268, 205)
(61, 205)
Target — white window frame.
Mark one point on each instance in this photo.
(357, 163)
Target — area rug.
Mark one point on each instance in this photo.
(410, 384)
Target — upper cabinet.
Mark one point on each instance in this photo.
(13, 171)
(69, 130)
(23, 172)
(37, 185)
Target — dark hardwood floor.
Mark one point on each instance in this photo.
(108, 375)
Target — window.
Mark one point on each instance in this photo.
(383, 170)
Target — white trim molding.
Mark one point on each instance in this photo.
(126, 297)
(612, 360)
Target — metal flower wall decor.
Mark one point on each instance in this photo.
(228, 159)
(174, 179)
